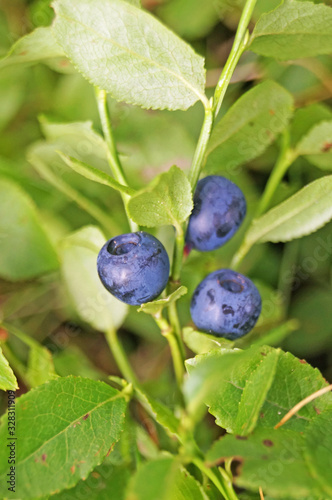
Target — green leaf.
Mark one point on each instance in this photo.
(318, 455)
(157, 306)
(270, 459)
(148, 66)
(294, 30)
(317, 145)
(94, 174)
(254, 393)
(306, 118)
(77, 139)
(26, 251)
(231, 382)
(200, 342)
(8, 380)
(164, 479)
(40, 366)
(13, 84)
(163, 415)
(37, 46)
(249, 126)
(167, 200)
(93, 303)
(106, 482)
(301, 214)
(65, 428)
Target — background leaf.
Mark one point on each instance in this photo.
(105, 482)
(167, 200)
(8, 380)
(318, 454)
(271, 459)
(148, 66)
(316, 146)
(26, 251)
(66, 428)
(224, 381)
(164, 479)
(200, 342)
(37, 46)
(301, 214)
(93, 303)
(249, 126)
(294, 30)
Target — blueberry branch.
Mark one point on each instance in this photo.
(168, 332)
(203, 140)
(112, 154)
(240, 42)
(285, 159)
(224, 487)
(121, 357)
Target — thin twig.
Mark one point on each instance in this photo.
(302, 403)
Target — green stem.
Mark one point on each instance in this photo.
(121, 357)
(240, 42)
(112, 154)
(175, 323)
(285, 159)
(240, 254)
(178, 361)
(218, 482)
(74, 195)
(203, 140)
(178, 255)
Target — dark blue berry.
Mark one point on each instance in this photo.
(134, 267)
(219, 209)
(226, 304)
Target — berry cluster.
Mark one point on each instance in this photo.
(135, 267)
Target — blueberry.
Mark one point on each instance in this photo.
(219, 209)
(134, 267)
(226, 304)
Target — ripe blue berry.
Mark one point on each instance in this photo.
(226, 304)
(219, 209)
(134, 267)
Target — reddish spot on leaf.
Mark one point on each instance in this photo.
(268, 443)
(44, 456)
(64, 63)
(72, 469)
(264, 457)
(95, 475)
(3, 335)
(86, 416)
(241, 438)
(303, 361)
(263, 353)
(317, 410)
(272, 112)
(109, 451)
(261, 415)
(23, 53)
(327, 146)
